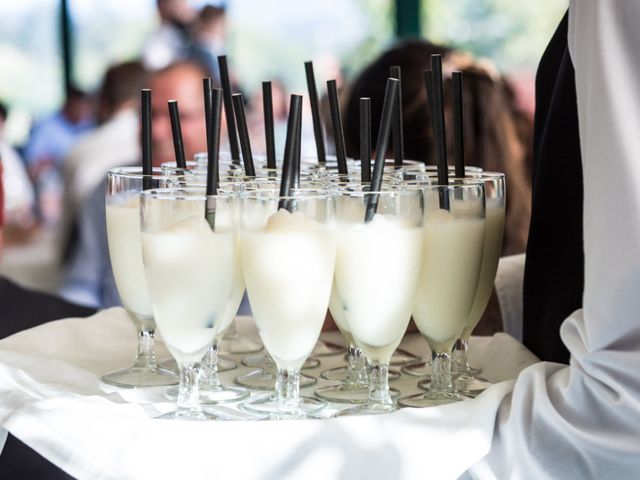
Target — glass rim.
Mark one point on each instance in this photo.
(468, 184)
(470, 168)
(357, 190)
(188, 194)
(306, 193)
(479, 174)
(135, 171)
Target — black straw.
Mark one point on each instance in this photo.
(318, 132)
(213, 142)
(365, 140)
(458, 125)
(439, 128)
(267, 103)
(297, 153)
(398, 131)
(228, 108)
(176, 132)
(295, 112)
(243, 131)
(213, 149)
(146, 139)
(207, 87)
(336, 122)
(390, 97)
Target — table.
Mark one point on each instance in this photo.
(51, 398)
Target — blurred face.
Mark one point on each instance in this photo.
(183, 84)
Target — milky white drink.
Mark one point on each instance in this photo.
(288, 270)
(449, 278)
(377, 271)
(233, 303)
(125, 252)
(494, 226)
(336, 307)
(192, 273)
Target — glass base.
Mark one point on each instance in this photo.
(324, 349)
(225, 364)
(267, 404)
(418, 369)
(260, 361)
(239, 345)
(136, 377)
(339, 374)
(402, 357)
(354, 393)
(473, 370)
(470, 386)
(169, 364)
(191, 415)
(265, 380)
(222, 394)
(423, 369)
(213, 396)
(368, 409)
(429, 399)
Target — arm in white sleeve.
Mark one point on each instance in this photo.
(583, 421)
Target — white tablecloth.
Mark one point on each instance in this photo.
(52, 399)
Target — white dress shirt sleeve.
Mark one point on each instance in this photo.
(583, 421)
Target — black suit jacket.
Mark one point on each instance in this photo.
(21, 309)
(554, 269)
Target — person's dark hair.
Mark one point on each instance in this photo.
(121, 84)
(412, 56)
(4, 112)
(209, 13)
(494, 138)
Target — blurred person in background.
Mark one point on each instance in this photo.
(19, 198)
(114, 142)
(169, 42)
(50, 141)
(497, 137)
(208, 39)
(88, 278)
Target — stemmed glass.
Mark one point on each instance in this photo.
(377, 272)
(454, 227)
(196, 177)
(354, 377)
(123, 231)
(288, 250)
(264, 377)
(192, 269)
(495, 195)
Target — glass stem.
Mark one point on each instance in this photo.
(209, 375)
(269, 365)
(356, 366)
(146, 356)
(188, 396)
(288, 389)
(441, 373)
(379, 384)
(460, 358)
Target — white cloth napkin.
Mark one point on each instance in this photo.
(52, 399)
